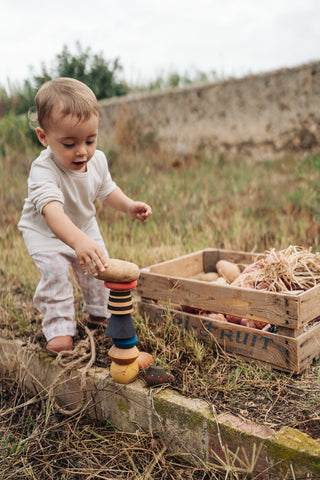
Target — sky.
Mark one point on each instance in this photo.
(156, 37)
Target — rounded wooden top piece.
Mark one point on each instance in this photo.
(119, 271)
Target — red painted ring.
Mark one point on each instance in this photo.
(121, 286)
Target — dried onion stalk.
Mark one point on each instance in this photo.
(292, 269)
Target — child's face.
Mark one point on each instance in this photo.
(73, 143)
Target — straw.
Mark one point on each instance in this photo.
(292, 269)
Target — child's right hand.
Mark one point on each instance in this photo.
(91, 256)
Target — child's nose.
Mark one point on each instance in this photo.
(81, 151)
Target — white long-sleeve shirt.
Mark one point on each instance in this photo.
(49, 181)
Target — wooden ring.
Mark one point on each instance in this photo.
(121, 286)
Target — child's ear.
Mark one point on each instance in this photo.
(42, 136)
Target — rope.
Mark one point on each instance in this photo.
(82, 356)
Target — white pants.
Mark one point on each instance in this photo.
(54, 295)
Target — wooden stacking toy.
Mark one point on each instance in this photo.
(121, 278)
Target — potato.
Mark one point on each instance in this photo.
(217, 316)
(119, 271)
(144, 360)
(206, 277)
(228, 270)
(220, 281)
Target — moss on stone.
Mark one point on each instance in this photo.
(185, 418)
(291, 446)
(123, 406)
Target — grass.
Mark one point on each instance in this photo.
(70, 448)
(198, 202)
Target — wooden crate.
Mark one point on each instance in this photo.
(164, 286)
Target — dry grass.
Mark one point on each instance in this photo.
(37, 443)
(40, 443)
(198, 202)
(249, 390)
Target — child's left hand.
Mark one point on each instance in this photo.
(140, 210)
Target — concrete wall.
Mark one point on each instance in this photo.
(260, 116)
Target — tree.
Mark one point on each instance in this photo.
(93, 70)
(102, 76)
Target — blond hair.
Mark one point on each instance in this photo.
(62, 97)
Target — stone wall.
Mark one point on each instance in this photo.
(260, 116)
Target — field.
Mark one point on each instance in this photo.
(198, 201)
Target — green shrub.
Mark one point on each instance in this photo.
(15, 134)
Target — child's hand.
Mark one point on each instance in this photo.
(91, 256)
(139, 210)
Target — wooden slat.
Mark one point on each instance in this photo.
(185, 266)
(308, 346)
(278, 351)
(277, 309)
(309, 305)
(290, 332)
(211, 257)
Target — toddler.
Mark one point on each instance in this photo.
(58, 220)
